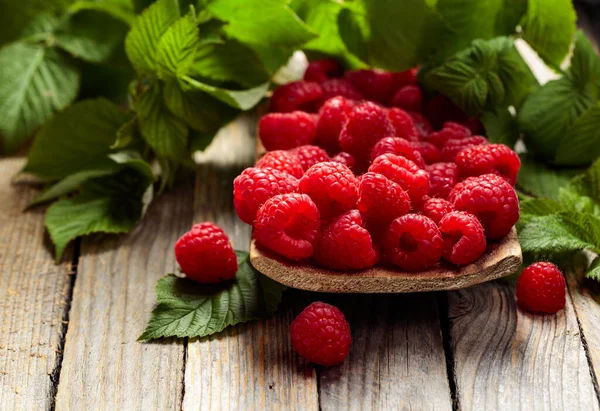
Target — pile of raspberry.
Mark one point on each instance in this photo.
(362, 168)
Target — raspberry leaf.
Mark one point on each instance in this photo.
(501, 127)
(177, 47)
(594, 270)
(580, 145)
(243, 99)
(186, 308)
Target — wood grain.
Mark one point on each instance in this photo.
(33, 295)
(104, 367)
(506, 358)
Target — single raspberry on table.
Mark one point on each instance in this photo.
(283, 161)
(332, 186)
(453, 147)
(376, 85)
(430, 153)
(381, 200)
(321, 334)
(441, 109)
(340, 87)
(541, 288)
(333, 116)
(408, 98)
(451, 131)
(491, 199)
(308, 156)
(404, 78)
(442, 179)
(490, 158)
(283, 131)
(436, 208)
(255, 186)
(345, 158)
(299, 95)
(321, 70)
(399, 147)
(464, 239)
(403, 172)
(288, 224)
(346, 244)
(206, 255)
(413, 242)
(404, 125)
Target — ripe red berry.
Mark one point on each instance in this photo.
(404, 125)
(453, 147)
(490, 158)
(464, 239)
(403, 172)
(340, 87)
(321, 70)
(413, 242)
(345, 159)
(441, 109)
(399, 147)
(451, 131)
(376, 85)
(422, 124)
(491, 199)
(436, 208)
(333, 115)
(255, 186)
(283, 131)
(299, 95)
(381, 200)
(206, 255)
(346, 244)
(408, 98)
(430, 153)
(321, 334)
(282, 161)
(405, 78)
(541, 288)
(442, 179)
(308, 156)
(288, 224)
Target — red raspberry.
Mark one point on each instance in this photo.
(332, 187)
(206, 255)
(376, 85)
(346, 244)
(367, 124)
(473, 124)
(332, 118)
(345, 158)
(282, 161)
(428, 151)
(491, 158)
(381, 200)
(399, 147)
(321, 334)
(405, 78)
(413, 242)
(541, 288)
(442, 179)
(441, 109)
(436, 208)
(321, 70)
(308, 156)
(403, 172)
(282, 131)
(404, 125)
(464, 239)
(423, 126)
(340, 87)
(451, 131)
(299, 95)
(453, 147)
(408, 98)
(255, 186)
(491, 199)
(289, 225)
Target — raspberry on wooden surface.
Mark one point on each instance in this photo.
(322, 70)
(376, 85)
(283, 161)
(381, 200)
(464, 239)
(340, 87)
(490, 158)
(408, 98)
(283, 131)
(333, 115)
(310, 155)
(442, 179)
(436, 208)
(403, 172)
(452, 147)
(403, 124)
(399, 147)
(299, 95)
(541, 288)
(451, 131)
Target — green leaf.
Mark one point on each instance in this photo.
(15, 15)
(186, 308)
(584, 70)
(119, 9)
(354, 30)
(77, 139)
(581, 144)
(541, 207)
(583, 191)
(548, 27)
(541, 181)
(501, 127)
(142, 41)
(593, 271)
(41, 27)
(243, 100)
(177, 47)
(34, 82)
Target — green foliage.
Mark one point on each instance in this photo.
(539, 180)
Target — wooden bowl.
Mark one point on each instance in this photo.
(501, 258)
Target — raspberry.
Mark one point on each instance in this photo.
(491, 158)
(436, 208)
(299, 95)
(453, 147)
(308, 156)
(413, 242)
(403, 124)
(344, 158)
(442, 179)
(321, 334)
(441, 109)
(473, 124)
(405, 78)
(321, 70)
(282, 131)
(399, 147)
(376, 85)
(451, 131)
(541, 288)
(428, 151)
(381, 200)
(206, 255)
(333, 115)
(289, 225)
(332, 187)
(255, 186)
(464, 240)
(367, 124)
(408, 98)
(423, 126)
(403, 172)
(282, 161)
(491, 199)
(340, 87)
(346, 244)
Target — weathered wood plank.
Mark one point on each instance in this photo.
(506, 358)
(33, 296)
(397, 357)
(104, 367)
(250, 366)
